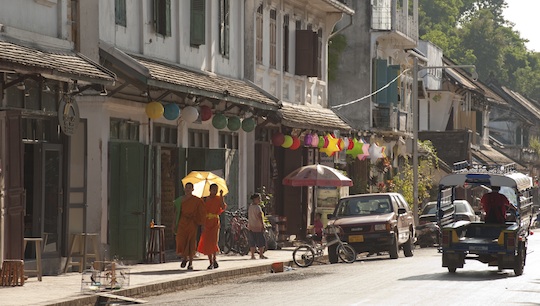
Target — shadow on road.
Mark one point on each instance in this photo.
(463, 275)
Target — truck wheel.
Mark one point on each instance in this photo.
(409, 246)
(394, 248)
(452, 269)
(332, 254)
(519, 261)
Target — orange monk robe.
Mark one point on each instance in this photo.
(209, 237)
(192, 215)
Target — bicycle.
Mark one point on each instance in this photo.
(236, 235)
(305, 254)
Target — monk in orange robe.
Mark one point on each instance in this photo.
(192, 214)
(215, 206)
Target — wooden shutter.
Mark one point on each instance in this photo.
(120, 12)
(380, 77)
(197, 23)
(162, 17)
(306, 53)
(392, 93)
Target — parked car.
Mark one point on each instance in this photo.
(375, 222)
(464, 211)
(428, 232)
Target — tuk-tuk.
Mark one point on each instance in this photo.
(497, 244)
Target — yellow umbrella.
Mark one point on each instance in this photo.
(202, 180)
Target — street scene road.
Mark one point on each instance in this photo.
(377, 280)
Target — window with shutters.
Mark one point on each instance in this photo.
(224, 31)
(198, 138)
(120, 12)
(286, 43)
(306, 53)
(259, 35)
(165, 135)
(197, 23)
(162, 17)
(380, 70)
(228, 140)
(273, 38)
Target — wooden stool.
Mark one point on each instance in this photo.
(12, 272)
(79, 241)
(38, 242)
(156, 245)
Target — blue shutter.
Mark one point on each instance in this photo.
(197, 23)
(381, 76)
(392, 92)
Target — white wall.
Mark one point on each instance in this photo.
(139, 36)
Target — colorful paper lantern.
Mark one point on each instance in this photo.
(171, 111)
(375, 152)
(332, 147)
(189, 114)
(320, 145)
(234, 123)
(356, 148)
(206, 112)
(340, 144)
(315, 140)
(351, 143)
(287, 142)
(345, 143)
(278, 139)
(365, 151)
(219, 121)
(154, 110)
(249, 124)
(296, 143)
(307, 140)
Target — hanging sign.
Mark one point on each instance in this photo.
(68, 115)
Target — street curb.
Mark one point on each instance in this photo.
(172, 286)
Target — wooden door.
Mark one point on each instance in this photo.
(126, 200)
(13, 179)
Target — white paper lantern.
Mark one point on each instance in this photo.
(189, 114)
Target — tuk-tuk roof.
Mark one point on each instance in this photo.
(516, 180)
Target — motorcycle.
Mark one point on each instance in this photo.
(428, 234)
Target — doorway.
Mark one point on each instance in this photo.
(44, 216)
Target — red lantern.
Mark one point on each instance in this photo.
(206, 113)
(351, 144)
(340, 144)
(296, 143)
(278, 139)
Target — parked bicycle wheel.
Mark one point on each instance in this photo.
(346, 253)
(243, 243)
(227, 244)
(303, 256)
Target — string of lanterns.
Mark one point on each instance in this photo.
(329, 144)
(155, 110)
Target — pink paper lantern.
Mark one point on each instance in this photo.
(315, 140)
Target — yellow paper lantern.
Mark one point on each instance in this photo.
(287, 143)
(154, 110)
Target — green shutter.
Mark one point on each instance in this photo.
(392, 93)
(197, 23)
(162, 17)
(120, 12)
(168, 18)
(381, 75)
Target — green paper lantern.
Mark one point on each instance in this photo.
(321, 142)
(234, 123)
(288, 142)
(219, 121)
(248, 124)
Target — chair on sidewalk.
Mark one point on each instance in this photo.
(77, 250)
(38, 243)
(156, 245)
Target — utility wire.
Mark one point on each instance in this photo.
(371, 94)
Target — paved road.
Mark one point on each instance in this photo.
(419, 280)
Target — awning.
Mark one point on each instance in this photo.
(54, 64)
(488, 155)
(173, 77)
(311, 117)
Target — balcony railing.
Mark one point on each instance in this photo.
(387, 16)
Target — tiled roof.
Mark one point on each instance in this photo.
(523, 101)
(306, 117)
(63, 63)
(488, 155)
(220, 85)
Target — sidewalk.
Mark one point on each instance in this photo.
(145, 280)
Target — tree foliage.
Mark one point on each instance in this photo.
(476, 32)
